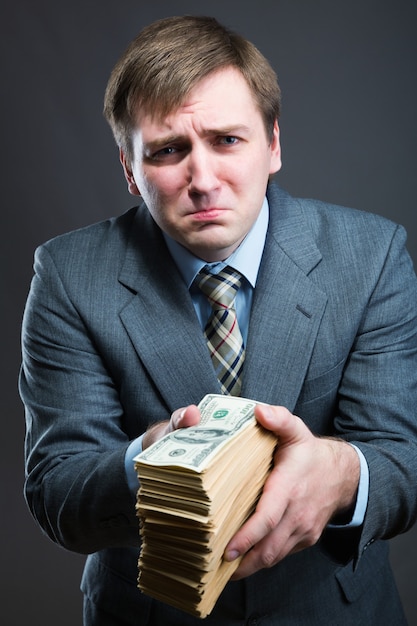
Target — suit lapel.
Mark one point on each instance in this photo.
(160, 319)
(287, 308)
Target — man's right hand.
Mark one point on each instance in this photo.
(181, 418)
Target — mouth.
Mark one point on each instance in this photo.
(207, 215)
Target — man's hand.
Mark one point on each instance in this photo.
(313, 479)
(181, 418)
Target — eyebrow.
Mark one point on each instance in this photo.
(157, 144)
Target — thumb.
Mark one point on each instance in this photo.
(279, 420)
(185, 417)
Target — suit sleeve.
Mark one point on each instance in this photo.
(76, 486)
(378, 397)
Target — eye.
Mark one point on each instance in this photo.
(228, 140)
(163, 153)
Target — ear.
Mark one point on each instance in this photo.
(131, 183)
(275, 148)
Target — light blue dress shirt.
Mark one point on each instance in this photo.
(246, 259)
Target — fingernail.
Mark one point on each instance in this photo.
(231, 555)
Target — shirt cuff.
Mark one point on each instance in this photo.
(362, 495)
(135, 448)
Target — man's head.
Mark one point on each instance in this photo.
(194, 111)
(168, 58)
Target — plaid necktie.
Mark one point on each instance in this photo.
(222, 332)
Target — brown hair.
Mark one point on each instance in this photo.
(168, 58)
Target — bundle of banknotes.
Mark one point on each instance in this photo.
(197, 487)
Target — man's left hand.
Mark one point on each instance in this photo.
(313, 479)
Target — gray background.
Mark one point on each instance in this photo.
(348, 75)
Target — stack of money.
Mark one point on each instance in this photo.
(197, 487)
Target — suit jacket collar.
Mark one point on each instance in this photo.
(286, 312)
(289, 228)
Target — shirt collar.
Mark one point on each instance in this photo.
(246, 259)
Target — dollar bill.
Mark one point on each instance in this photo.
(222, 417)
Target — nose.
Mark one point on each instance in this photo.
(202, 171)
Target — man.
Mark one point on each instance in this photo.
(115, 355)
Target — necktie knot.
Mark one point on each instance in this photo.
(221, 288)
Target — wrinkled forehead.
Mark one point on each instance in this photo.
(226, 83)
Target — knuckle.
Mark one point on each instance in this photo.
(314, 537)
(269, 558)
(270, 522)
(247, 544)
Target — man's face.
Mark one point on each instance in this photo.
(203, 170)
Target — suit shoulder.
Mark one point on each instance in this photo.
(86, 251)
(327, 212)
(306, 224)
(319, 213)
(352, 228)
(92, 234)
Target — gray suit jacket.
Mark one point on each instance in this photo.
(111, 343)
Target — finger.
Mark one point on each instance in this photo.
(185, 417)
(270, 508)
(154, 432)
(287, 427)
(181, 418)
(267, 516)
(269, 551)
